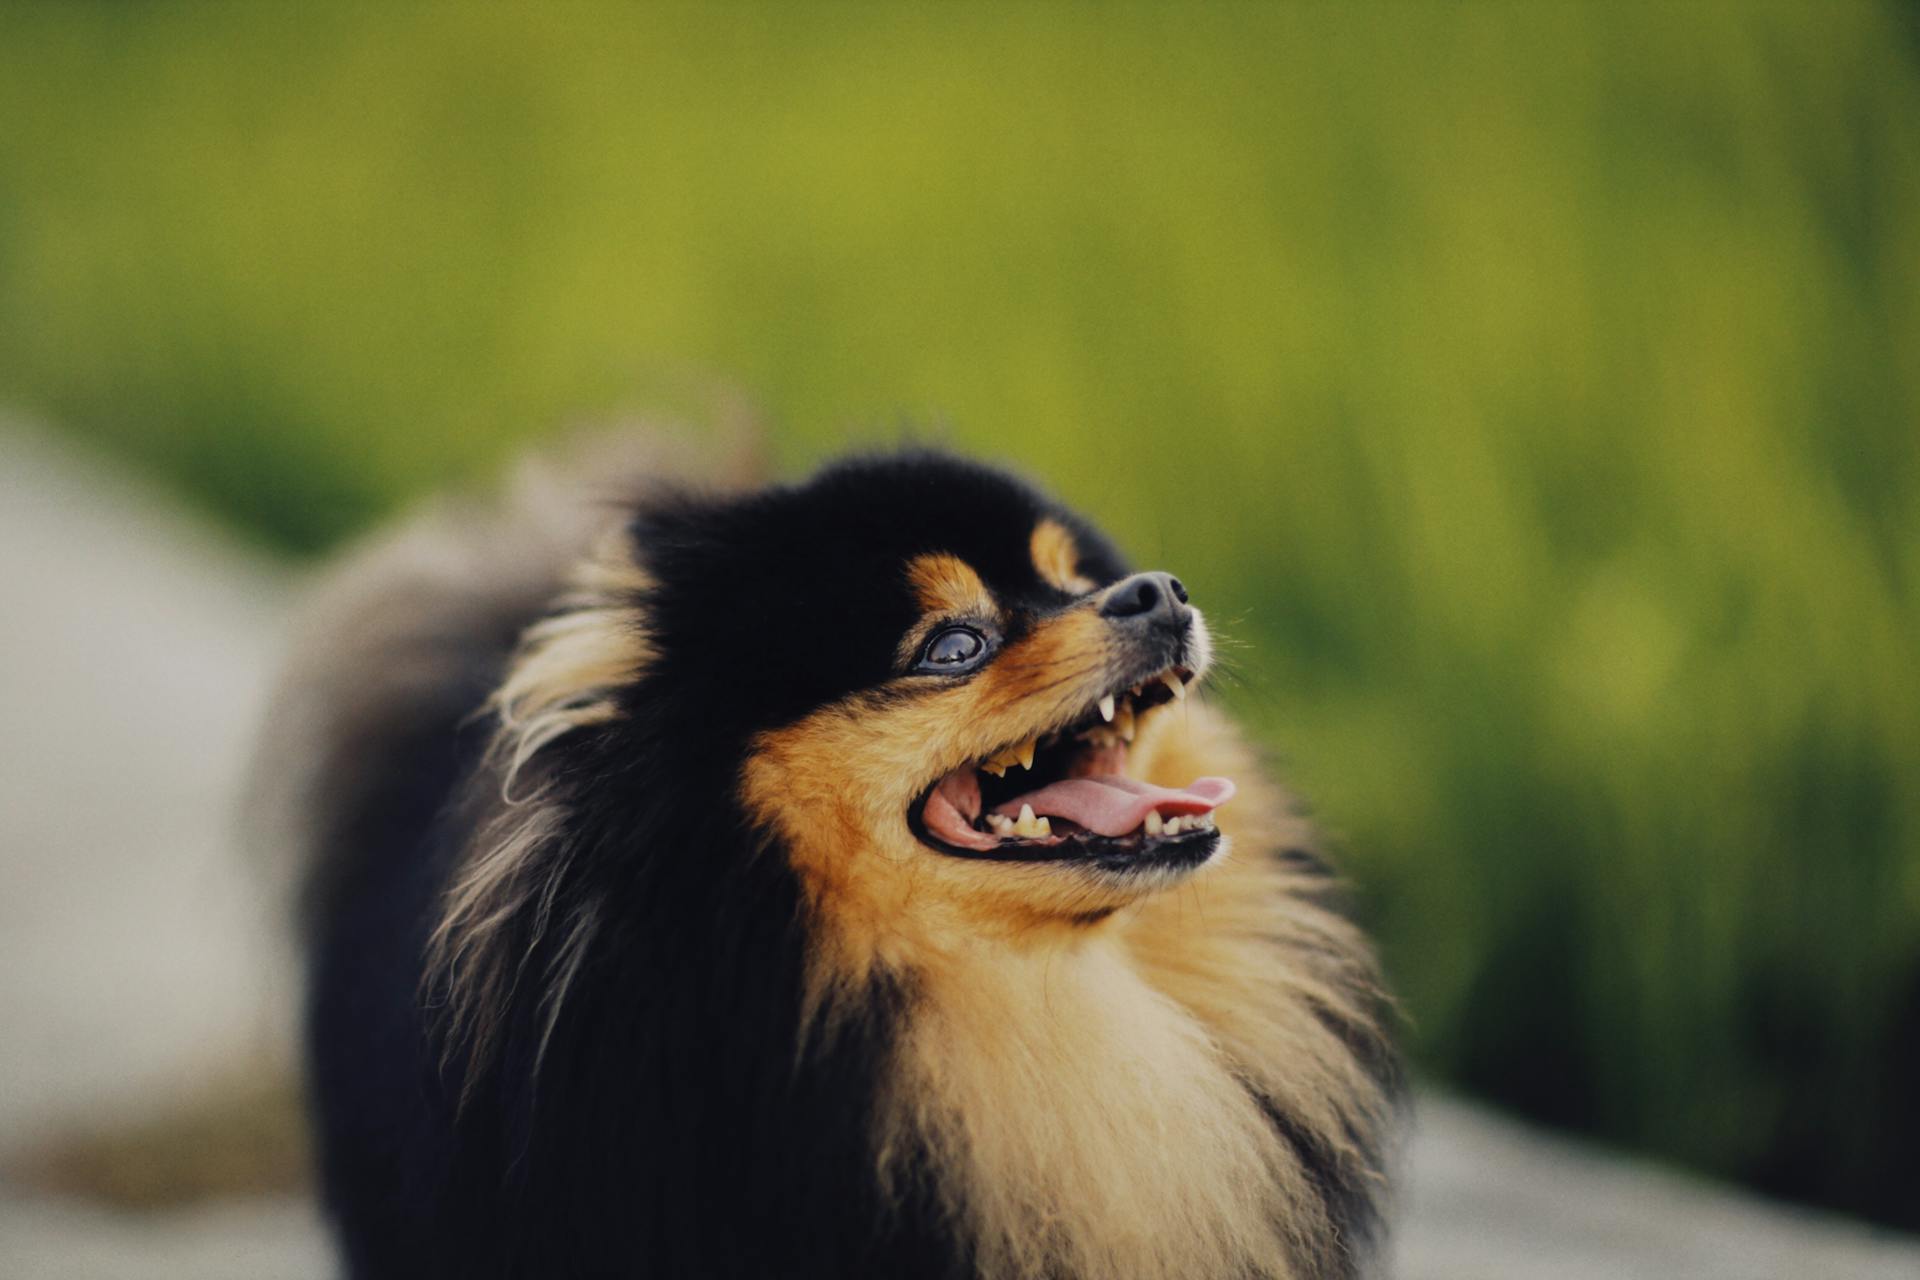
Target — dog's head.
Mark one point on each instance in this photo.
(927, 679)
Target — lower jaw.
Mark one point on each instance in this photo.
(1163, 854)
(1126, 854)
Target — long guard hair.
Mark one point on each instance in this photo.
(625, 959)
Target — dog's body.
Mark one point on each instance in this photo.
(664, 922)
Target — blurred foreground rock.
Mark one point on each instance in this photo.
(147, 1002)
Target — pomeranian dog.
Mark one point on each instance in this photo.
(842, 879)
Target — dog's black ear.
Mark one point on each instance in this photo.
(765, 607)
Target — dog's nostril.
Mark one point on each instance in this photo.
(1135, 596)
(1179, 591)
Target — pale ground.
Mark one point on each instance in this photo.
(137, 960)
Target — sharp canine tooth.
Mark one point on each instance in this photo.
(1106, 708)
(1124, 721)
(1174, 686)
(1029, 826)
(1153, 824)
(1025, 753)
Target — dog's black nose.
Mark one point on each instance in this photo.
(1154, 598)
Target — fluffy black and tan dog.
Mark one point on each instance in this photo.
(837, 879)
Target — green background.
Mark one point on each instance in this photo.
(1530, 392)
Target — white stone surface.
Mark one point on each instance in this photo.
(136, 954)
(1489, 1199)
(265, 1239)
(134, 647)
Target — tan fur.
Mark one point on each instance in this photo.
(947, 589)
(570, 664)
(1057, 558)
(948, 585)
(564, 678)
(1083, 1085)
(839, 783)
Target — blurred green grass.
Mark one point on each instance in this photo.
(1530, 391)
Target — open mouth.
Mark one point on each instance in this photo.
(1066, 794)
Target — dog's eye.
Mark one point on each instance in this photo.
(953, 649)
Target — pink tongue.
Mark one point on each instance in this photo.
(1111, 805)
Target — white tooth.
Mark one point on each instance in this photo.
(1174, 685)
(1024, 752)
(1175, 826)
(1123, 721)
(1044, 827)
(1001, 823)
(1154, 825)
(1026, 815)
(1106, 708)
